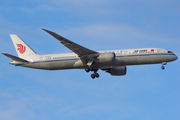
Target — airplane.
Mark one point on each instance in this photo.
(111, 61)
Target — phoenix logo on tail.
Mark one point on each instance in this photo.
(21, 48)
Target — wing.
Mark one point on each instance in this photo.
(85, 54)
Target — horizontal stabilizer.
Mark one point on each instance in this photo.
(14, 58)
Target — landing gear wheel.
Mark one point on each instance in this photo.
(87, 69)
(93, 76)
(163, 67)
(96, 75)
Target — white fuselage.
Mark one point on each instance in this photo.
(123, 58)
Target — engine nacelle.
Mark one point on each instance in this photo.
(107, 57)
(117, 71)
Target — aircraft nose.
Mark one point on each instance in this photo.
(175, 57)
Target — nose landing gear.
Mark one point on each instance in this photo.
(163, 63)
(163, 67)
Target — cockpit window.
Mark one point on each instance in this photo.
(170, 52)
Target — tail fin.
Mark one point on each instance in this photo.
(22, 49)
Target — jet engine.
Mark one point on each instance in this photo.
(106, 57)
(119, 71)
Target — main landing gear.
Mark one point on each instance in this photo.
(163, 63)
(95, 74)
(87, 69)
